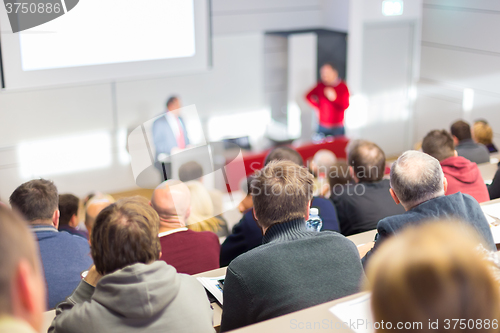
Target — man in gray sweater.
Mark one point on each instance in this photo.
(128, 289)
(294, 268)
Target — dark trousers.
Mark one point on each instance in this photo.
(332, 131)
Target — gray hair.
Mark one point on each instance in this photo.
(416, 177)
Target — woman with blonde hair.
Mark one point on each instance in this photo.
(483, 133)
(202, 216)
(436, 275)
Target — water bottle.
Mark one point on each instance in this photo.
(314, 223)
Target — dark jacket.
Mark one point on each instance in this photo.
(494, 188)
(247, 234)
(137, 298)
(474, 152)
(464, 176)
(294, 269)
(456, 206)
(359, 213)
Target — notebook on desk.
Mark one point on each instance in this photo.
(214, 287)
(492, 213)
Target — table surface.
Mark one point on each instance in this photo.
(488, 170)
(318, 314)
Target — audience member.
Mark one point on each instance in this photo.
(434, 274)
(64, 256)
(129, 289)
(68, 221)
(418, 183)
(361, 205)
(483, 133)
(339, 176)
(462, 175)
(494, 187)
(194, 171)
(188, 251)
(22, 288)
(465, 146)
(191, 170)
(321, 164)
(294, 268)
(201, 217)
(94, 206)
(247, 234)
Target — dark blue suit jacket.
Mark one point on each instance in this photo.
(457, 206)
(247, 234)
(163, 136)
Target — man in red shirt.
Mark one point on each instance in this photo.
(331, 98)
(189, 251)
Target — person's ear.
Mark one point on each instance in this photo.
(394, 197)
(254, 214)
(455, 140)
(455, 153)
(73, 222)
(307, 210)
(55, 218)
(445, 184)
(353, 176)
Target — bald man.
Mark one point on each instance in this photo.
(94, 207)
(190, 252)
(321, 165)
(22, 286)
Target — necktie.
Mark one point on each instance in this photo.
(181, 142)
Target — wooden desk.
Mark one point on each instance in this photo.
(363, 238)
(48, 317)
(489, 169)
(290, 322)
(217, 309)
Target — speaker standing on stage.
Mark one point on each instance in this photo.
(169, 133)
(330, 98)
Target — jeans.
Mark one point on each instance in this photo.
(334, 131)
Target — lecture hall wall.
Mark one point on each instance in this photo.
(460, 65)
(82, 128)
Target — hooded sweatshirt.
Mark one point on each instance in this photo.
(137, 298)
(464, 176)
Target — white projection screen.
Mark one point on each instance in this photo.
(99, 41)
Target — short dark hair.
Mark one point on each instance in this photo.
(367, 161)
(125, 233)
(171, 100)
(339, 174)
(439, 144)
(331, 65)
(35, 200)
(461, 130)
(281, 192)
(68, 206)
(284, 153)
(190, 171)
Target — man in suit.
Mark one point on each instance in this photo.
(169, 133)
(419, 185)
